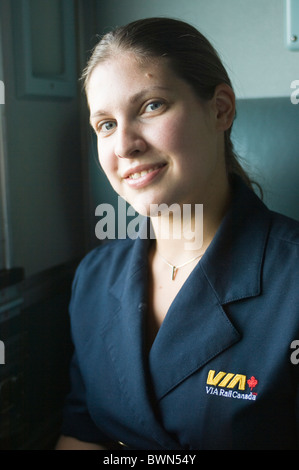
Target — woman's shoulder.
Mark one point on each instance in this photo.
(105, 255)
(283, 245)
(284, 229)
(113, 248)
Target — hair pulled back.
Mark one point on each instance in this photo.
(189, 53)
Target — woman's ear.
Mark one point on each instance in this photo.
(224, 102)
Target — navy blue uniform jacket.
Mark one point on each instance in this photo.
(219, 374)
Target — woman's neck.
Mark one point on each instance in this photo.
(187, 231)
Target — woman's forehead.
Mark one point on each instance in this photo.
(127, 76)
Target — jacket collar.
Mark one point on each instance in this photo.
(233, 261)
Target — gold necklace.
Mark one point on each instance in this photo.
(176, 268)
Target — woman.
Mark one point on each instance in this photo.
(181, 341)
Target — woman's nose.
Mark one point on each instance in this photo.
(129, 143)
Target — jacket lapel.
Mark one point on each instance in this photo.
(125, 336)
(194, 331)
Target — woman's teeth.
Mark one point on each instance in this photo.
(135, 176)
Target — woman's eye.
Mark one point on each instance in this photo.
(107, 126)
(153, 106)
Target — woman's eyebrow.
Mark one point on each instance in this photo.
(134, 98)
(97, 114)
(145, 91)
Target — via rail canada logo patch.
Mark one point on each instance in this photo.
(229, 385)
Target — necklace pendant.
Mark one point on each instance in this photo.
(174, 271)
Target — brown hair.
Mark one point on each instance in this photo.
(189, 53)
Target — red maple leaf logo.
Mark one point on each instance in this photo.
(252, 382)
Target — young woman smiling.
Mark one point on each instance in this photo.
(161, 331)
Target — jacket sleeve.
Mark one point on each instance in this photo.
(77, 421)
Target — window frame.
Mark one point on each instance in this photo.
(5, 238)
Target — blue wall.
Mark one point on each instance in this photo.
(266, 135)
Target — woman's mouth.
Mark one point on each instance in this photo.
(140, 177)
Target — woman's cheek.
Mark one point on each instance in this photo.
(171, 135)
(107, 160)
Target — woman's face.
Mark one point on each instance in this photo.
(157, 142)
